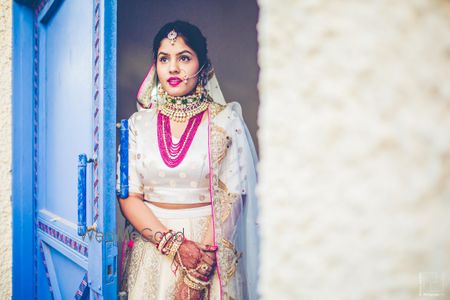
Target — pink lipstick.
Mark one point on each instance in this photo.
(174, 81)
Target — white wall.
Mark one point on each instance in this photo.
(355, 148)
(5, 149)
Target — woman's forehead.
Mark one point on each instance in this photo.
(178, 47)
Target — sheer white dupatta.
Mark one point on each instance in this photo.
(233, 178)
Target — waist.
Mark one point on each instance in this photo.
(179, 213)
(177, 195)
(176, 205)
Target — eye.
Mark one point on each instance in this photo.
(185, 58)
(163, 59)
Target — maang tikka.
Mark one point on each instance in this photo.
(172, 36)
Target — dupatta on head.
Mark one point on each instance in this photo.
(233, 178)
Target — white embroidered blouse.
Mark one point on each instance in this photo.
(149, 175)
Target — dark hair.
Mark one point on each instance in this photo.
(192, 36)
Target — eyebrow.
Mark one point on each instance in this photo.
(179, 53)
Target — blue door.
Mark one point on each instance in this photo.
(73, 149)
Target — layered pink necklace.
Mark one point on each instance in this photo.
(174, 153)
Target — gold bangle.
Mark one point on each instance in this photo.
(192, 284)
(174, 248)
(197, 281)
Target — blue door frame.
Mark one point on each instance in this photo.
(25, 153)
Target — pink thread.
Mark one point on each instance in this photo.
(174, 153)
(130, 244)
(122, 257)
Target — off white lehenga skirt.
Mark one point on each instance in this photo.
(150, 274)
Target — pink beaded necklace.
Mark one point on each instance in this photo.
(174, 153)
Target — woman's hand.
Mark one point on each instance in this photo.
(207, 264)
(190, 254)
(199, 257)
(199, 260)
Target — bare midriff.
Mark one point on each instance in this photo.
(178, 206)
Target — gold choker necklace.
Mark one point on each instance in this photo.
(181, 108)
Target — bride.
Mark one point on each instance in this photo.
(191, 176)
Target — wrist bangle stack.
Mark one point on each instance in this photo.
(169, 245)
(164, 242)
(196, 284)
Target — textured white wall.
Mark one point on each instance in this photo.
(355, 148)
(5, 149)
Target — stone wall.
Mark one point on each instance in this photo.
(5, 149)
(355, 148)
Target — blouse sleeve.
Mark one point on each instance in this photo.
(135, 184)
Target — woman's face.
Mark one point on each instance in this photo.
(173, 63)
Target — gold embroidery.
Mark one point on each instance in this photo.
(228, 259)
(227, 200)
(227, 297)
(220, 142)
(222, 185)
(216, 108)
(223, 202)
(136, 257)
(201, 227)
(143, 270)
